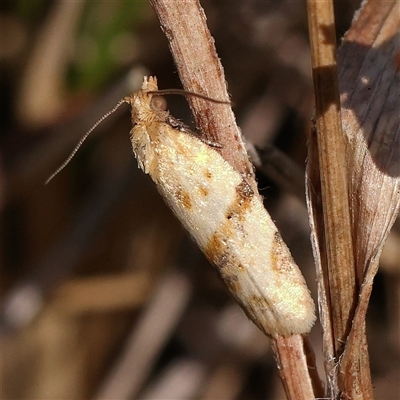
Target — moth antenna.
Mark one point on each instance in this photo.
(183, 92)
(85, 136)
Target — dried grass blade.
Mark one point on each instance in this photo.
(370, 97)
(328, 194)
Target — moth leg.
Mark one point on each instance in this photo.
(182, 127)
(210, 143)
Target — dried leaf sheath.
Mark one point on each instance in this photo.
(370, 95)
(223, 215)
(369, 81)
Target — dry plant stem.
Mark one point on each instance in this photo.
(200, 70)
(290, 356)
(314, 201)
(370, 85)
(339, 262)
(369, 80)
(192, 46)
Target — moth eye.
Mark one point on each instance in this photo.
(158, 103)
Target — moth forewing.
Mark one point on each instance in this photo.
(224, 216)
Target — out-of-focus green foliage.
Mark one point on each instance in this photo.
(105, 40)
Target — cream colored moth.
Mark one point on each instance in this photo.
(222, 214)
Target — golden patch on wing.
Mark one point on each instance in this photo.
(207, 173)
(281, 260)
(232, 281)
(257, 302)
(180, 147)
(203, 191)
(242, 203)
(215, 249)
(218, 253)
(184, 198)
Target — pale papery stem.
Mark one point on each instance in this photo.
(369, 88)
(328, 190)
(339, 261)
(370, 103)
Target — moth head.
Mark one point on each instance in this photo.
(148, 103)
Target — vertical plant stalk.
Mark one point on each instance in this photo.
(200, 70)
(327, 194)
(294, 364)
(338, 261)
(369, 80)
(369, 77)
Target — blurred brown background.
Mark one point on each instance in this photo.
(103, 294)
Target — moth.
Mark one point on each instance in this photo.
(222, 214)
